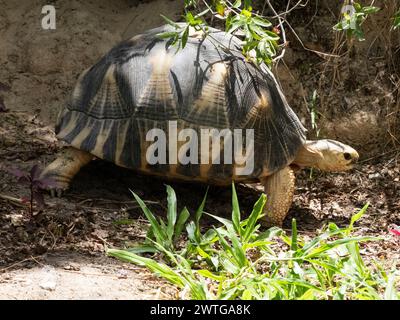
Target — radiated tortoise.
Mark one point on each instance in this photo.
(144, 83)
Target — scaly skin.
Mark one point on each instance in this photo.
(279, 189)
(67, 164)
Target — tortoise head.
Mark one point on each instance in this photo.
(327, 155)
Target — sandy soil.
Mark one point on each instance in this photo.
(67, 275)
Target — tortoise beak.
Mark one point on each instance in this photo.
(354, 159)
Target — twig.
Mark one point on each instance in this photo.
(20, 262)
(378, 156)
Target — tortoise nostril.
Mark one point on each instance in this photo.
(347, 156)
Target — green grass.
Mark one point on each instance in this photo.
(239, 261)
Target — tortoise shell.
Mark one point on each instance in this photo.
(145, 83)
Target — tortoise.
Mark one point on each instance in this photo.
(145, 83)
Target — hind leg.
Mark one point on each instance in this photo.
(64, 168)
(279, 189)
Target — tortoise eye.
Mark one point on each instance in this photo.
(347, 156)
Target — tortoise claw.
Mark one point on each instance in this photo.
(56, 192)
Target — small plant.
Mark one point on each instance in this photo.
(163, 234)
(238, 261)
(352, 20)
(3, 87)
(35, 184)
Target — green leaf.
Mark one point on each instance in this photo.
(159, 234)
(229, 266)
(396, 22)
(370, 9)
(254, 216)
(198, 215)
(247, 295)
(262, 22)
(256, 244)
(209, 236)
(269, 234)
(220, 8)
(235, 211)
(390, 292)
(223, 242)
(293, 246)
(236, 249)
(272, 35)
(191, 230)
(357, 6)
(159, 268)
(166, 35)
(202, 253)
(170, 22)
(185, 37)
(247, 5)
(143, 249)
(210, 275)
(246, 13)
(325, 247)
(233, 26)
(354, 251)
(308, 295)
(237, 4)
(357, 216)
(183, 216)
(227, 223)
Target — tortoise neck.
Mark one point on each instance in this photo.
(308, 155)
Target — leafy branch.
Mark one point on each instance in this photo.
(260, 38)
(352, 21)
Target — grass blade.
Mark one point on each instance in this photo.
(357, 217)
(293, 246)
(198, 215)
(171, 214)
(236, 211)
(157, 267)
(254, 216)
(390, 292)
(183, 216)
(157, 230)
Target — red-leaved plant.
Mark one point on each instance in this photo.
(36, 185)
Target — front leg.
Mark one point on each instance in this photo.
(279, 189)
(67, 164)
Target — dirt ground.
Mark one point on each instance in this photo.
(59, 253)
